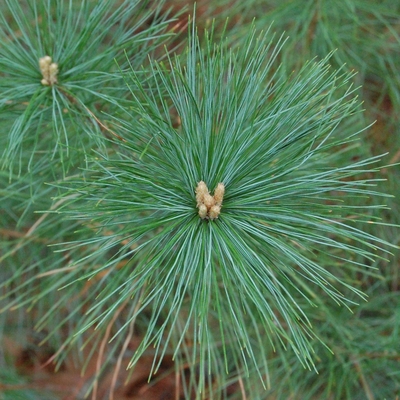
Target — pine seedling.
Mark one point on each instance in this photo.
(57, 61)
(281, 149)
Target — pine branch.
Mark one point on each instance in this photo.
(278, 147)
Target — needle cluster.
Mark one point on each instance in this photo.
(273, 141)
(63, 100)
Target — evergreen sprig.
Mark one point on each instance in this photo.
(231, 214)
(283, 148)
(81, 42)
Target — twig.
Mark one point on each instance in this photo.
(364, 383)
(103, 345)
(45, 215)
(177, 385)
(32, 229)
(244, 397)
(123, 350)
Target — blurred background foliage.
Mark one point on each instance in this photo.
(364, 35)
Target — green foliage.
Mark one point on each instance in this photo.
(64, 114)
(102, 240)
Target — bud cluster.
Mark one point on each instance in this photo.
(209, 206)
(49, 71)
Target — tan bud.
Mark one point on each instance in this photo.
(201, 191)
(219, 193)
(53, 71)
(209, 200)
(44, 62)
(203, 211)
(53, 68)
(214, 212)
